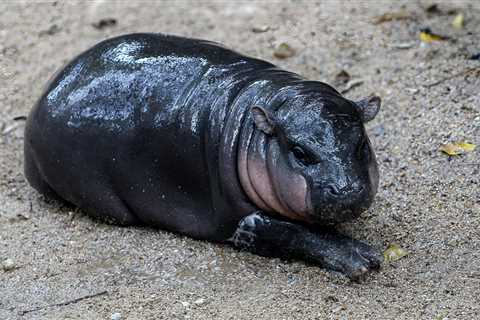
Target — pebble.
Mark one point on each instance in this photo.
(261, 29)
(116, 316)
(403, 45)
(283, 51)
(337, 309)
(8, 265)
(475, 56)
(378, 130)
(199, 301)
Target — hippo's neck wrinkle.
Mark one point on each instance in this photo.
(264, 182)
(229, 127)
(234, 129)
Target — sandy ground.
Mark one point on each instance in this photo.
(427, 203)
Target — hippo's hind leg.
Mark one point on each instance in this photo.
(34, 177)
(107, 206)
(100, 202)
(276, 238)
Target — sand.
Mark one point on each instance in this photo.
(68, 266)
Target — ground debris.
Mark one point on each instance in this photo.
(116, 316)
(457, 148)
(393, 253)
(475, 56)
(341, 78)
(64, 303)
(8, 129)
(464, 72)
(20, 118)
(50, 31)
(433, 9)
(8, 265)
(104, 23)
(459, 21)
(199, 301)
(283, 51)
(261, 29)
(403, 45)
(352, 84)
(426, 35)
(20, 217)
(391, 16)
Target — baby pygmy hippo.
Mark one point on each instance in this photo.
(188, 136)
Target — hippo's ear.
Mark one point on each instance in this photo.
(263, 120)
(368, 107)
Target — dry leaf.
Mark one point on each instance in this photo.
(393, 253)
(433, 8)
(283, 50)
(458, 21)
(105, 23)
(426, 35)
(467, 146)
(50, 31)
(390, 16)
(457, 148)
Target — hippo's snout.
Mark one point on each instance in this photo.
(333, 204)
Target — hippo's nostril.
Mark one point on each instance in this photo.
(335, 191)
(360, 189)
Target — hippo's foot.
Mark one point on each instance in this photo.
(276, 238)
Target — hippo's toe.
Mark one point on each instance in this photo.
(356, 259)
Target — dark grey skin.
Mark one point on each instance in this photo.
(191, 137)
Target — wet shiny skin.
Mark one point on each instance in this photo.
(153, 129)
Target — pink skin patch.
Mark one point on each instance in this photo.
(290, 186)
(269, 183)
(246, 183)
(262, 184)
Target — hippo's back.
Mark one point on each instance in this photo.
(116, 78)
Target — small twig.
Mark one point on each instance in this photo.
(461, 73)
(64, 303)
(11, 128)
(352, 84)
(20, 118)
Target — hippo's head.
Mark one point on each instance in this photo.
(311, 159)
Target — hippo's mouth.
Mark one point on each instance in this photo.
(332, 209)
(330, 215)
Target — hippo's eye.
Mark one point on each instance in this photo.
(300, 154)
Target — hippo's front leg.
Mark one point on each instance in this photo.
(268, 236)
